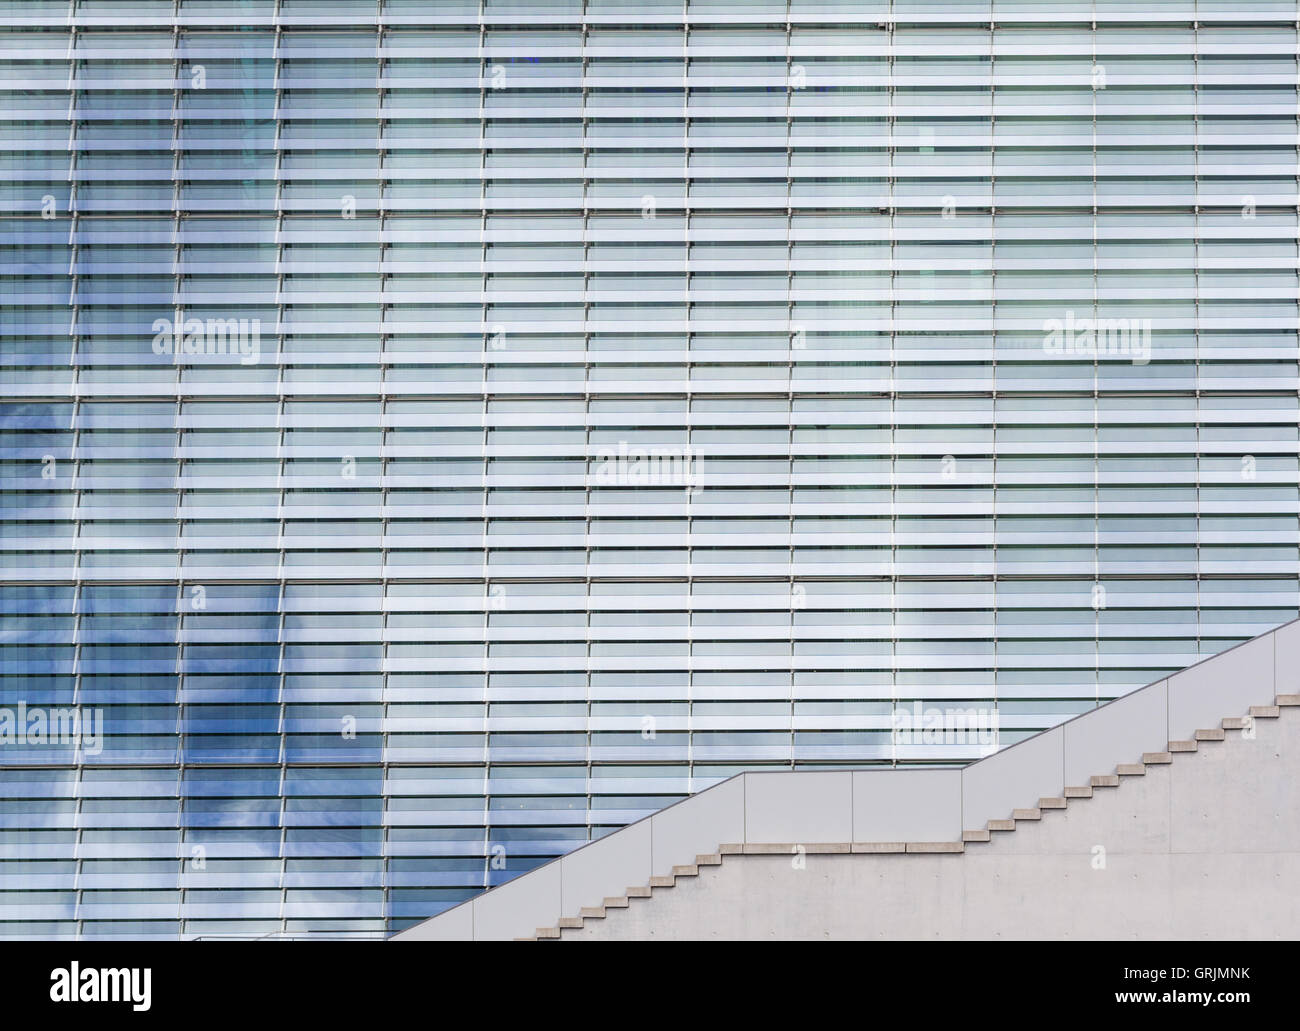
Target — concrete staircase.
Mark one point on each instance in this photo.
(991, 829)
(928, 819)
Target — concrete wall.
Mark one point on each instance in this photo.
(882, 806)
(1207, 847)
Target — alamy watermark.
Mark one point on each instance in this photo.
(83, 728)
(1098, 338)
(73, 983)
(208, 338)
(627, 466)
(954, 726)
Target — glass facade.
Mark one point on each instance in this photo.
(438, 432)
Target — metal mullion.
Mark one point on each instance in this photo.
(892, 157)
(488, 600)
(790, 362)
(280, 466)
(993, 337)
(74, 464)
(74, 362)
(283, 745)
(1096, 393)
(483, 385)
(384, 756)
(182, 835)
(78, 859)
(586, 413)
(1196, 302)
(687, 225)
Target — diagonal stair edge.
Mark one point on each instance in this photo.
(929, 805)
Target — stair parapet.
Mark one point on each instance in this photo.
(895, 809)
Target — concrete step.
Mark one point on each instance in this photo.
(1181, 746)
(1159, 758)
(1236, 723)
(1108, 780)
(570, 921)
(1001, 825)
(1210, 735)
(878, 847)
(942, 847)
(1131, 770)
(662, 882)
(1287, 699)
(976, 836)
(547, 932)
(1266, 712)
(1052, 803)
(807, 848)
(1026, 814)
(715, 859)
(776, 848)
(616, 902)
(587, 913)
(686, 870)
(1079, 792)
(640, 891)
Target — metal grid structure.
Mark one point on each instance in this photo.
(582, 404)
